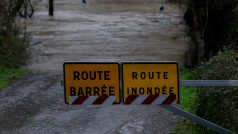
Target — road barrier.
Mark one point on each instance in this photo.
(132, 83)
(175, 109)
(207, 83)
(203, 83)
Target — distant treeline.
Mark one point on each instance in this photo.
(217, 22)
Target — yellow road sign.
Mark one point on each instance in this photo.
(85, 79)
(150, 78)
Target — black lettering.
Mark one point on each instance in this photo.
(171, 90)
(84, 75)
(134, 75)
(76, 75)
(100, 74)
(92, 75)
(142, 75)
(157, 90)
(80, 92)
(166, 75)
(104, 90)
(88, 91)
(128, 90)
(164, 89)
(72, 91)
(149, 90)
(141, 90)
(96, 91)
(111, 91)
(151, 75)
(133, 91)
(106, 75)
(158, 74)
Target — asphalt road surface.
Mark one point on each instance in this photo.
(102, 30)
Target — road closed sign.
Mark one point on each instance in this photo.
(88, 83)
(150, 83)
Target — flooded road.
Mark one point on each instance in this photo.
(103, 30)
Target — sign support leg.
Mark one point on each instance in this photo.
(51, 7)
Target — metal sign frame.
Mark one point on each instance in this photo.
(151, 62)
(96, 63)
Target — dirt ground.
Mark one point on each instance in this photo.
(103, 30)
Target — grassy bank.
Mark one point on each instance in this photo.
(187, 94)
(7, 74)
(187, 102)
(212, 102)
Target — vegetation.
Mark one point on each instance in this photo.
(188, 96)
(213, 27)
(219, 104)
(216, 23)
(7, 74)
(216, 104)
(13, 42)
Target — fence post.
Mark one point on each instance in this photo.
(51, 7)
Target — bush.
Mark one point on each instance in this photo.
(219, 104)
(13, 43)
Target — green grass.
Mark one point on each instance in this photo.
(188, 94)
(187, 102)
(7, 74)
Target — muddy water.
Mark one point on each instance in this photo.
(107, 30)
(103, 30)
